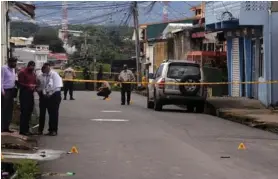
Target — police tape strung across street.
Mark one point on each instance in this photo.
(177, 83)
(92, 72)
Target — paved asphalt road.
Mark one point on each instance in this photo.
(171, 144)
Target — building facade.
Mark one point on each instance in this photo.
(4, 31)
(39, 55)
(6, 6)
(152, 43)
(251, 54)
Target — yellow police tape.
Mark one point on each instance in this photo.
(112, 73)
(178, 83)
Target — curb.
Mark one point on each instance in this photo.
(235, 117)
(249, 121)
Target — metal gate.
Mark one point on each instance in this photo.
(235, 67)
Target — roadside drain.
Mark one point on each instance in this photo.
(40, 155)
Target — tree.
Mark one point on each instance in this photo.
(23, 29)
(106, 43)
(48, 36)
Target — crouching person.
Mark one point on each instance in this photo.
(104, 90)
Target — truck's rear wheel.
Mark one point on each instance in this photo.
(157, 104)
(200, 108)
(150, 104)
(190, 108)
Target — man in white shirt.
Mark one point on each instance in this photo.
(50, 84)
(126, 76)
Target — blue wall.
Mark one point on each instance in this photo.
(229, 64)
(248, 15)
(264, 90)
(274, 54)
(248, 65)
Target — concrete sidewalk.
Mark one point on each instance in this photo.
(246, 111)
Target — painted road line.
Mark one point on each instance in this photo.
(110, 111)
(110, 120)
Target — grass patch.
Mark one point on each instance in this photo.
(26, 169)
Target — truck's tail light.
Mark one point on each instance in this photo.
(161, 84)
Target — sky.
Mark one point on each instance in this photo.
(106, 12)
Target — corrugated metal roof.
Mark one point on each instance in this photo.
(29, 9)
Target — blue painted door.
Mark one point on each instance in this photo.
(253, 58)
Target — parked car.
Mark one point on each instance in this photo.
(159, 93)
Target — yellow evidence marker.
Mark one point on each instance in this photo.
(241, 147)
(74, 150)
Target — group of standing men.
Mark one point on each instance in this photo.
(47, 84)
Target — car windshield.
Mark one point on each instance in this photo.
(177, 71)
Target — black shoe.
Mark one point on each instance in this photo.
(65, 98)
(72, 99)
(122, 103)
(26, 133)
(128, 103)
(51, 133)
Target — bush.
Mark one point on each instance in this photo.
(27, 169)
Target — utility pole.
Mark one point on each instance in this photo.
(137, 40)
(86, 47)
(94, 64)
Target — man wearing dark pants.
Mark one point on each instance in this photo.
(27, 84)
(125, 77)
(51, 104)
(8, 93)
(50, 99)
(125, 93)
(69, 74)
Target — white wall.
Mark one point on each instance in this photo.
(215, 9)
(40, 59)
(24, 55)
(4, 40)
(254, 13)
(151, 48)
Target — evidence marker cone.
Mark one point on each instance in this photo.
(73, 150)
(241, 147)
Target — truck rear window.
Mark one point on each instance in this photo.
(177, 71)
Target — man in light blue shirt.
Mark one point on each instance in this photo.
(8, 93)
